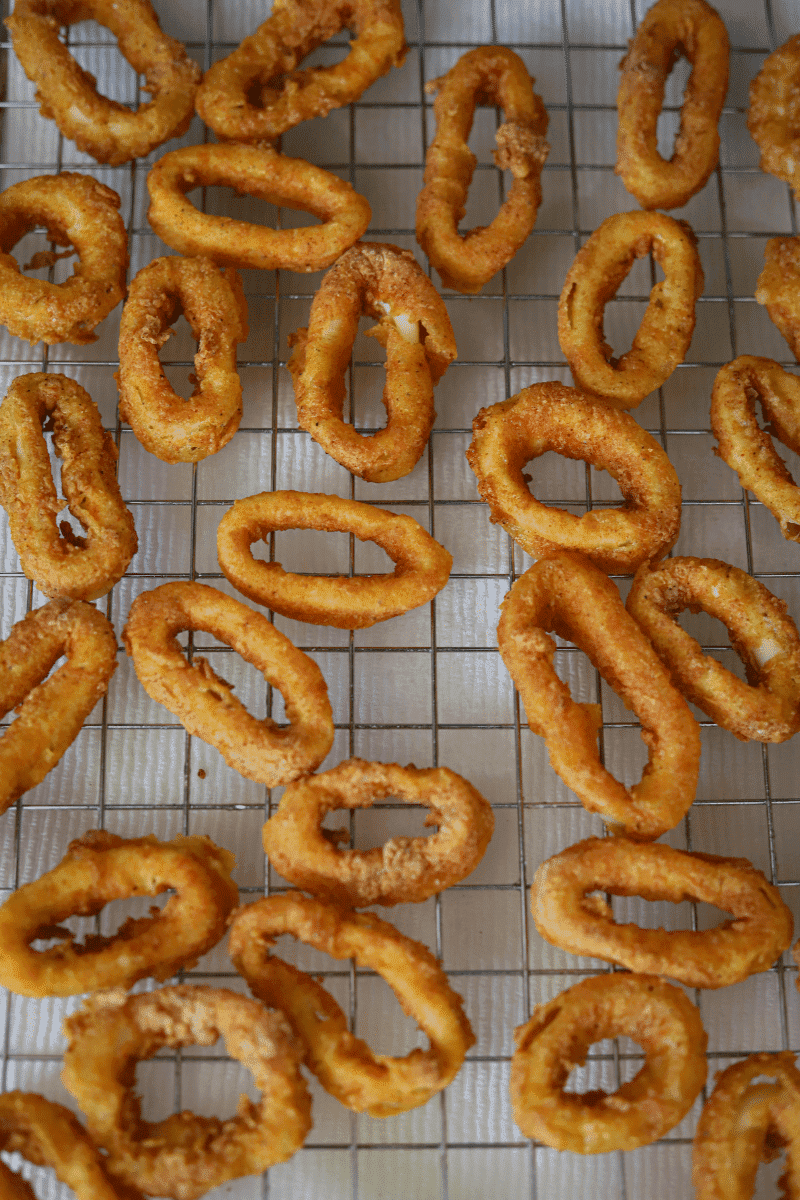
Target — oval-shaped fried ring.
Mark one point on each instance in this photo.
(773, 117)
(778, 287)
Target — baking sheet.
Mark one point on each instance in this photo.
(428, 687)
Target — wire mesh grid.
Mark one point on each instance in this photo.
(427, 687)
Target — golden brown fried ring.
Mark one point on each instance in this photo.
(62, 563)
(289, 182)
(767, 708)
(489, 75)
(266, 63)
(77, 211)
(778, 288)
(185, 1155)
(98, 868)
(653, 1013)
(174, 429)
(107, 130)
(550, 416)
(48, 1135)
(774, 114)
(568, 596)
(204, 703)
(663, 337)
(569, 911)
(50, 711)
(745, 1123)
(386, 283)
(403, 869)
(345, 1066)
(422, 570)
(668, 30)
(748, 448)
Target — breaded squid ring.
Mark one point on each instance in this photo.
(51, 711)
(774, 114)
(664, 335)
(745, 1123)
(289, 182)
(62, 563)
(653, 1013)
(77, 211)
(266, 62)
(204, 703)
(345, 1066)
(107, 130)
(767, 708)
(489, 75)
(386, 283)
(550, 416)
(98, 868)
(748, 448)
(667, 30)
(778, 288)
(422, 565)
(569, 911)
(185, 1155)
(174, 429)
(403, 869)
(570, 597)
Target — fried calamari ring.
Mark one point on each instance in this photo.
(48, 1135)
(570, 913)
(51, 711)
(662, 339)
(774, 114)
(653, 1013)
(204, 703)
(107, 130)
(748, 448)
(98, 868)
(286, 182)
(174, 429)
(778, 288)
(745, 1123)
(422, 565)
(489, 75)
(62, 563)
(570, 597)
(386, 283)
(185, 1155)
(550, 416)
(76, 211)
(767, 708)
(403, 869)
(265, 63)
(668, 30)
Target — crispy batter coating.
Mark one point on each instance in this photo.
(570, 912)
(61, 562)
(422, 565)
(774, 114)
(174, 429)
(185, 1155)
(568, 596)
(261, 172)
(653, 1013)
(50, 711)
(745, 1122)
(345, 1066)
(386, 283)
(778, 288)
(767, 707)
(403, 869)
(204, 703)
(98, 868)
(77, 211)
(265, 64)
(663, 337)
(748, 448)
(669, 29)
(488, 75)
(550, 416)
